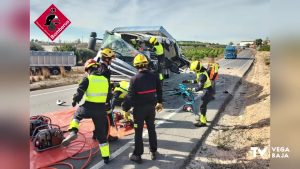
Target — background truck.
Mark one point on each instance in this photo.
(52, 61)
(230, 52)
(121, 40)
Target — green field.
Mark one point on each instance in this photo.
(197, 53)
(194, 50)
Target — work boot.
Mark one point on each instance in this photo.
(153, 155)
(106, 160)
(199, 124)
(136, 158)
(112, 138)
(72, 136)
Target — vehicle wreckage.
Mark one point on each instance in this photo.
(127, 42)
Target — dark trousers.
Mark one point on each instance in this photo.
(160, 63)
(213, 84)
(140, 114)
(99, 117)
(206, 98)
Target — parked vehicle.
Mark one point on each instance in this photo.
(51, 60)
(230, 52)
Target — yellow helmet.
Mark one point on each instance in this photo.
(108, 53)
(196, 66)
(153, 40)
(140, 60)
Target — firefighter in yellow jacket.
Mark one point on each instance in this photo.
(203, 83)
(159, 51)
(119, 93)
(94, 88)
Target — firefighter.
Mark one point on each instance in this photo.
(104, 58)
(159, 51)
(204, 83)
(94, 88)
(213, 71)
(119, 93)
(145, 96)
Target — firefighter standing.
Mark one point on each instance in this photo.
(204, 83)
(104, 58)
(213, 71)
(95, 88)
(159, 51)
(145, 96)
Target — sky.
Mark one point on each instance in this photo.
(216, 21)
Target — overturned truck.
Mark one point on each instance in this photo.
(127, 42)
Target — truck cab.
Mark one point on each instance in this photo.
(230, 52)
(121, 41)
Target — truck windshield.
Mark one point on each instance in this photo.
(116, 43)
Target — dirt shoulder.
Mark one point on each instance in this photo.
(245, 123)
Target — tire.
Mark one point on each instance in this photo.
(55, 72)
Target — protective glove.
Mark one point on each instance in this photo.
(185, 81)
(107, 107)
(74, 103)
(158, 107)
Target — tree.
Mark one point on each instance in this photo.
(230, 43)
(78, 41)
(82, 55)
(258, 42)
(36, 47)
(65, 47)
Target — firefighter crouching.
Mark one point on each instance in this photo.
(203, 83)
(94, 88)
(120, 91)
(145, 96)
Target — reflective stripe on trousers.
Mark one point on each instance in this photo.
(104, 149)
(74, 124)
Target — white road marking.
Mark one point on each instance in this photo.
(53, 92)
(127, 145)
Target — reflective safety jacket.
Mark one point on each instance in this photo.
(207, 83)
(124, 85)
(213, 69)
(159, 49)
(97, 89)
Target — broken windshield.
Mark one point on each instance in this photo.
(120, 46)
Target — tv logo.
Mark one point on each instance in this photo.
(276, 152)
(261, 152)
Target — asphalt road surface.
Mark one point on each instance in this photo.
(177, 136)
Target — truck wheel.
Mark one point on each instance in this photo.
(55, 72)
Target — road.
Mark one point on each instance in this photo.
(177, 137)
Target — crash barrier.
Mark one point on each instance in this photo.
(47, 132)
